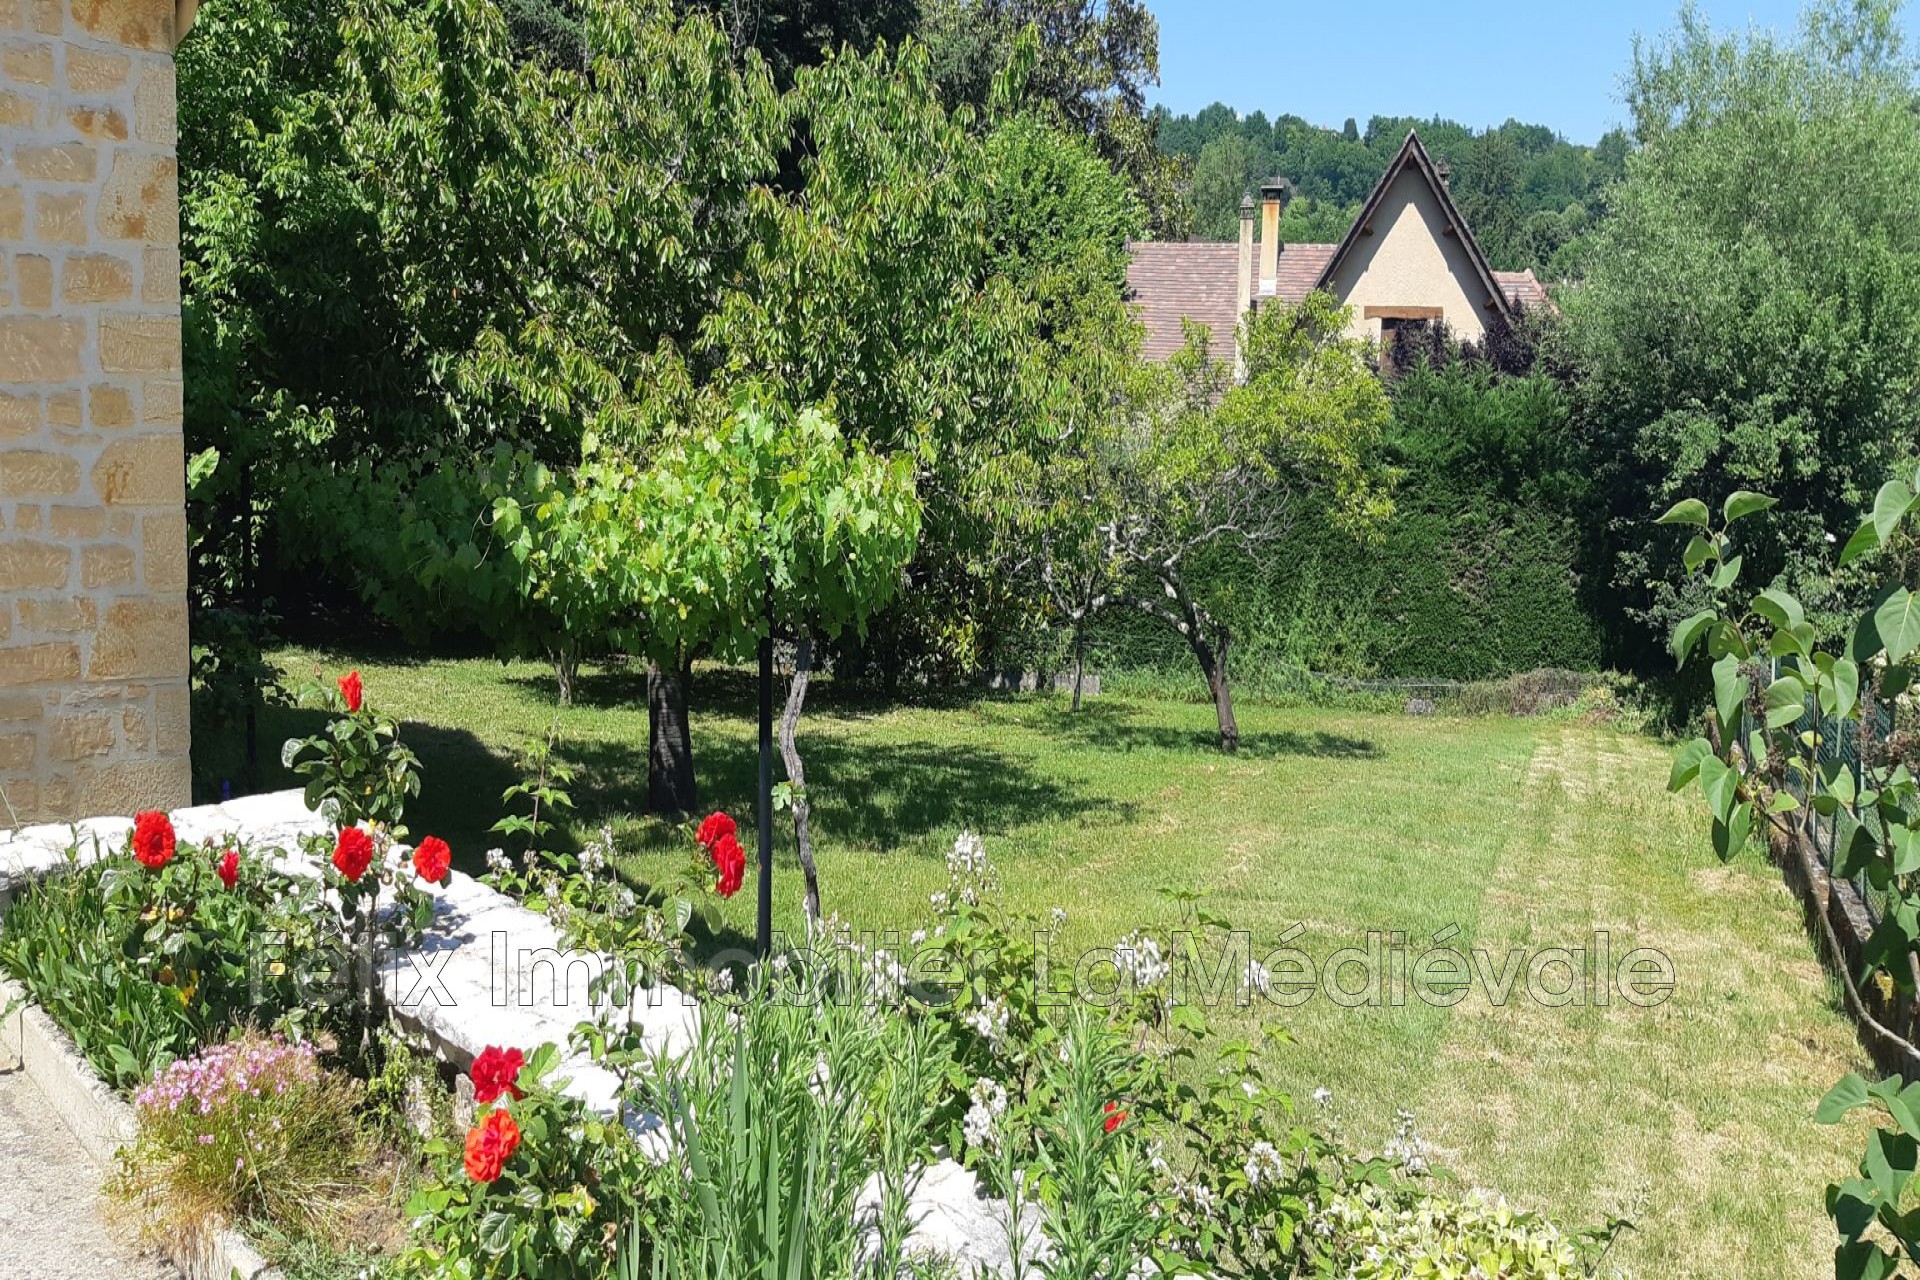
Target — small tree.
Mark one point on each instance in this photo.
(1202, 467)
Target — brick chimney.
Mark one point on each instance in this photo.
(1274, 195)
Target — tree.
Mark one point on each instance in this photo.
(1199, 467)
(1751, 319)
(1094, 62)
(1222, 177)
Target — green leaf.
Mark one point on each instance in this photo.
(1786, 701)
(1721, 785)
(1686, 763)
(1730, 690)
(1688, 633)
(1724, 576)
(1845, 688)
(1849, 1094)
(1889, 505)
(1743, 502)
(1687, 511)
(1730, 836)
(1898, 622)
(1866, 538)
(1779, 608)
(1698, 552)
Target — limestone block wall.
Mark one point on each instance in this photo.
(93, 574)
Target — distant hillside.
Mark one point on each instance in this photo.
(1529, 194)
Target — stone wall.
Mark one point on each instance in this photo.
(93, 619)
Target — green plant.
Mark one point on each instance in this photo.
(1786, 705)
(254, 1127)
(778, 1114)
(1383, 1232)
(357, 770)
(544, 1205)
(141, 965)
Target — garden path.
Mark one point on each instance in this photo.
(50, 1200)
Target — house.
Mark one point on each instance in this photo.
(1408, 259)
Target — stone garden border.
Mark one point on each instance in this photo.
(101, 1122)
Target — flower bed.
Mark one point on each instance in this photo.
(818, 1109)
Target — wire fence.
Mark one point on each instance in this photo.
(1838, 742)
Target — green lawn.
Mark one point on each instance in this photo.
(1692, 1118)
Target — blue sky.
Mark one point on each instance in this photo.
(1551, 62)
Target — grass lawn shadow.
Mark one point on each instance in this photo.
(1118, 726)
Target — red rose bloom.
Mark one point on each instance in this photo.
(494, 1073)
(1115, 1117)
(229, 869)
(350, 690)
(432, 860)
(152, 839)
(730, 862)
(490, 1144)
(716, 827)
(353, 854)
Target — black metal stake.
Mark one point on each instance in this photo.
(766, 797)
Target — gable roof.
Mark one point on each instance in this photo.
(1413, 154)
(1198, 280)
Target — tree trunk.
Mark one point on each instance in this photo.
(1213, 663)
(565, 658)
(670, 787)
(796, 772)
(1079, 657)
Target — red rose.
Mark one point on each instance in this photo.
(229, 869)
(350, 690)
(353, 853)
(432, 860)
(494, 1073)
(1115, 1117)
(716, 827)
(490, 1144)
(152, 839)
(730, 861)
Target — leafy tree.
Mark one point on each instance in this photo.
(1751, 319)
(1200, 467)
(1094, 61)
(791, 34)
(1223, 175)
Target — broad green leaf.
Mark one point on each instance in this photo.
(1687, 511)
(1786, 701)
(1892, 503)
(1779, 608)
(1898, 622)
(1688, 634)
(1742, 502)
(1727, 573)
(1686, 763)
(1730, 690)
(1698, 552)
(1866, 538)
(1721, 784)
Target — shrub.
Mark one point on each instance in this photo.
(254, 1127)
(1392, 1233)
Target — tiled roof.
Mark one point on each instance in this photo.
(1522, 287)
(1299, 270)
(1196, 280)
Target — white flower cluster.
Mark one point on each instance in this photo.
(970, 875)
(498, 863)
(1139, 958)
(1264, 1164)
(597, 853)
(989, 1021)
(981, 1128)
(1407, 1147)
(1323, 1097)
(968, 859)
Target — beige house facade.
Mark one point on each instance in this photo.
(1408, 259)
(93, 537)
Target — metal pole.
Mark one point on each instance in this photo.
(765, 931)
